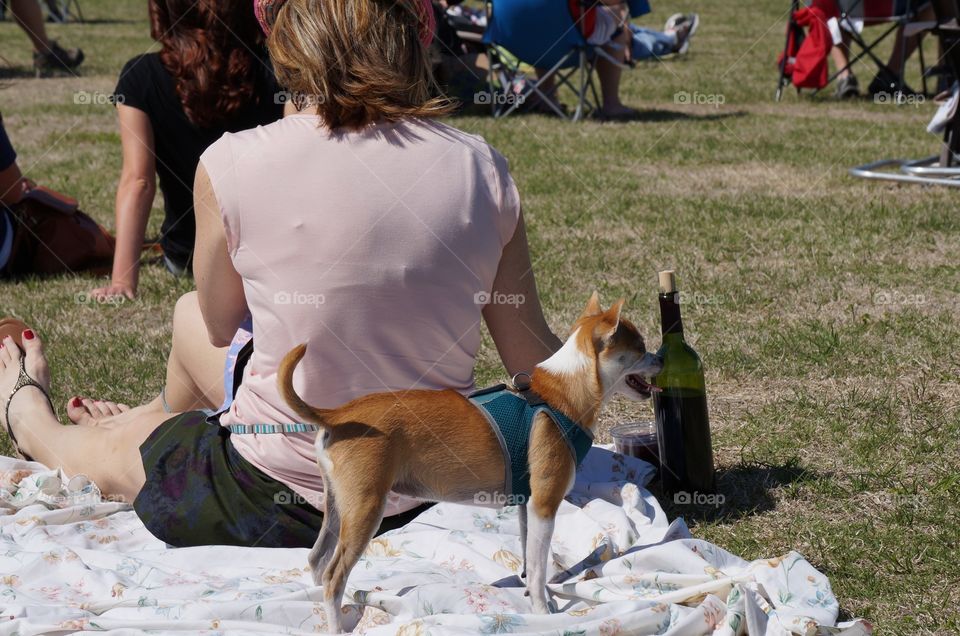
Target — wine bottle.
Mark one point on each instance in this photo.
(680, 407)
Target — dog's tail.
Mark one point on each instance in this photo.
(285, 384)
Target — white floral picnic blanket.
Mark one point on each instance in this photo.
(70, 562)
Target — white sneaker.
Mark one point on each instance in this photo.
(692, 22)
(671, 22)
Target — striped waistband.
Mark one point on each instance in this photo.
(266, 429)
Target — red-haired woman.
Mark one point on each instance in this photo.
(211, 76)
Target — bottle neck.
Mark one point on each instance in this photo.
(670, 322)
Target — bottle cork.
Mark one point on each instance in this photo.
(668, 283)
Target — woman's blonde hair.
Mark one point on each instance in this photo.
(357, 61)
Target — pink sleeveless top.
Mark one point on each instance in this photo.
(373, 247)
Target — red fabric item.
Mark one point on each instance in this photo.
(810, 67)
(584, 15)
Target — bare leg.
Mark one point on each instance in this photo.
(108, 455)
(28, 15)
(903, 48)
(195, 367)
(840, 55)
(109, 452)
(12, 184)
(609, 76)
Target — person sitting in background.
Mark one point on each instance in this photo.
(43, 231)
(12, 183)
(612, 31)
(12, 188)
(673, 40)
(48, 56)
(887, 80)
(208, 78)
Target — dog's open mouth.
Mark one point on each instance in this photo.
(641, 386)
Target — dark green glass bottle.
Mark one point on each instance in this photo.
(680, 407)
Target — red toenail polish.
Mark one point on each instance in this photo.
(28, 334)
(76, 402)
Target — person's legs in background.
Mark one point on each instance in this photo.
(47, 54)
(888, 80)
(649, 43)
(847, 85)
(674, 39)
(612, 29)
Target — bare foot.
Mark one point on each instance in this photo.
(87, 412)
(29, 399)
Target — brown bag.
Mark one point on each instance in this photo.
(52, 236)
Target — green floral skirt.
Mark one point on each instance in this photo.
(201, 491)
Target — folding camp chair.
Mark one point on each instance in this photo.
(943, 168)
(544, 34)
(849, 15)
(64, 10)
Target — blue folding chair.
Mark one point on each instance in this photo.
(546, 34)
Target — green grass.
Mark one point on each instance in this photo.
(824, 307)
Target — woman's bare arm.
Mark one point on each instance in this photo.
(518, 328)
(219, 286)
(12, 185)
(138, 185)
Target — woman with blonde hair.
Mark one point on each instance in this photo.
(359, 224)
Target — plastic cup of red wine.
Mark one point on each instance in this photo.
(637, 439)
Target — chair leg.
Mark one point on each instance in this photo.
(866, 50)
(581, 90)
(534, 89)
(491, 56)
(923, 67)
(791, 25)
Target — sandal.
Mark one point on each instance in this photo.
(23, 381)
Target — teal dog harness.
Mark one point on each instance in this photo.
(511, 417)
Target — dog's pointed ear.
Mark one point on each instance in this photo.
(593, 307)
(615, 310)
(611, 320)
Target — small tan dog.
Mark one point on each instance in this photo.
(440, 446)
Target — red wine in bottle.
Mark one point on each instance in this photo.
(680, 407)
